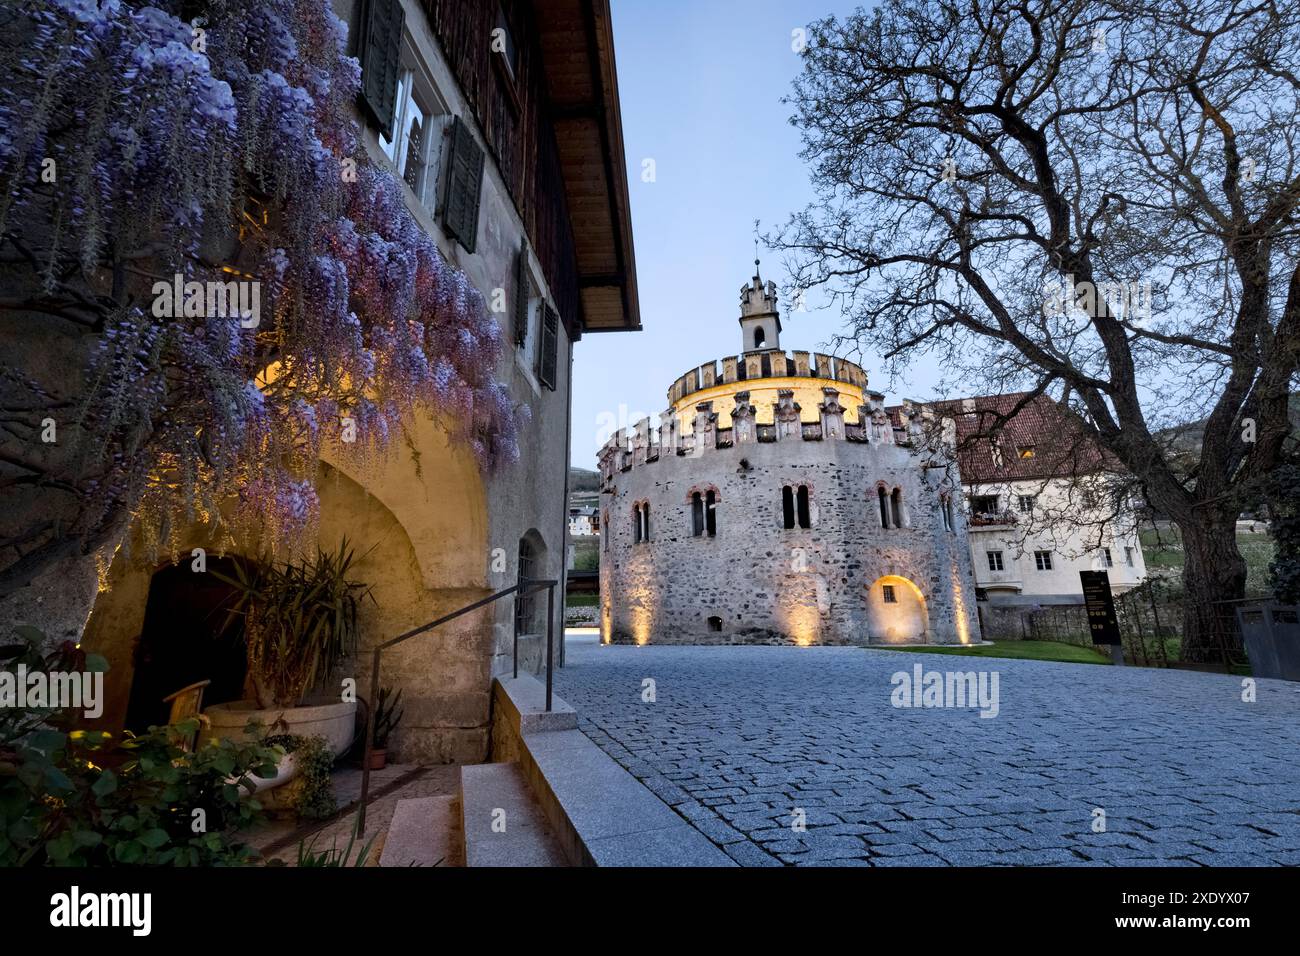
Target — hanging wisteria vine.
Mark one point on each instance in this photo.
(216, 141)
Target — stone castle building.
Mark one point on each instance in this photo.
(778, 501)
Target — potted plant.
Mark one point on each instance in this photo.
(300, 624)
(388, 714)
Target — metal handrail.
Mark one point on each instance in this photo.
(524, 586)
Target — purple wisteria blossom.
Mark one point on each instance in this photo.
(227, 151)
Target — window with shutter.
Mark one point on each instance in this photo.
(381, 54)
(550, 347)
(464, 185)
(523, 293)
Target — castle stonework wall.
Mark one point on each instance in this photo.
(762, 583)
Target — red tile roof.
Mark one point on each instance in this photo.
(1060, 443)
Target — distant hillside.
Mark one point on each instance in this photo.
(1186, 439)
(580, 479)
(1183, 442)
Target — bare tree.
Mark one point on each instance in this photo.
(1093, 199)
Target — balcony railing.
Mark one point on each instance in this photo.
(987, 519)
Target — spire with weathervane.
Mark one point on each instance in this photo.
(760, 322)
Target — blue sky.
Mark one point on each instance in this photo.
(701, 83)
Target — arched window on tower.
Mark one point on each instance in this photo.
(759, 337)
(884, 506)
(711, 513)
(945, 512)
(896, 507)
(697, 514)
(787, 506)
(805, 513)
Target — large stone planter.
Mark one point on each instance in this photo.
(335, 722)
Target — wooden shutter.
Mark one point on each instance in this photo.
(550, 347)
(381, 60)
(522, 288)
(464, 185)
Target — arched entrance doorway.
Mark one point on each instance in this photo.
(896, 612)
(183, 640)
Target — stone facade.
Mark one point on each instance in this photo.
(431, 531)
(854, 568)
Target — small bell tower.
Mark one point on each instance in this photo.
(760, 322)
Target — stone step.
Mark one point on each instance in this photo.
(501, 822)
(423, 832)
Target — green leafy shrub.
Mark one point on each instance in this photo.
(84, 798)
(312, 789)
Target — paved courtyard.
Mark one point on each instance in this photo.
(738, 739)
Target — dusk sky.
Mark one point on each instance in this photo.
(701, 82)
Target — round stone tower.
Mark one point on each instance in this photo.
(780, 501)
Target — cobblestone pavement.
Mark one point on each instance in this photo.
(1185, 772)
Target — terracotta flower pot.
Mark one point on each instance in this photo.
(378, 759)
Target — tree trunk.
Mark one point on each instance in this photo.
(1214, 578)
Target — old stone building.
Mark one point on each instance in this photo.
(1045, 502)
(511, 159)
(778, 502)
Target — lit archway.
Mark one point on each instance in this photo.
(896, 612)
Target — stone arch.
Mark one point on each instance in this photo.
(386, 558)
(438, 497)
(905, 620)
(703, 487)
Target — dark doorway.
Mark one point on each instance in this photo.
(182, 643)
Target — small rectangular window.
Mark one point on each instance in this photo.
(503, 42)
(1043, 560)
(984, 504)
(890, 596)
(1128, 557)
(1025, 503)
(995, 560)
(1106, 560)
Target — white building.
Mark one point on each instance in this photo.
(1044, 503)
(584, 522)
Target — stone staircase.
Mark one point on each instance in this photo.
(550, 798)
(492, 821)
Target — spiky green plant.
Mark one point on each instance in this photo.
(300, 620)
